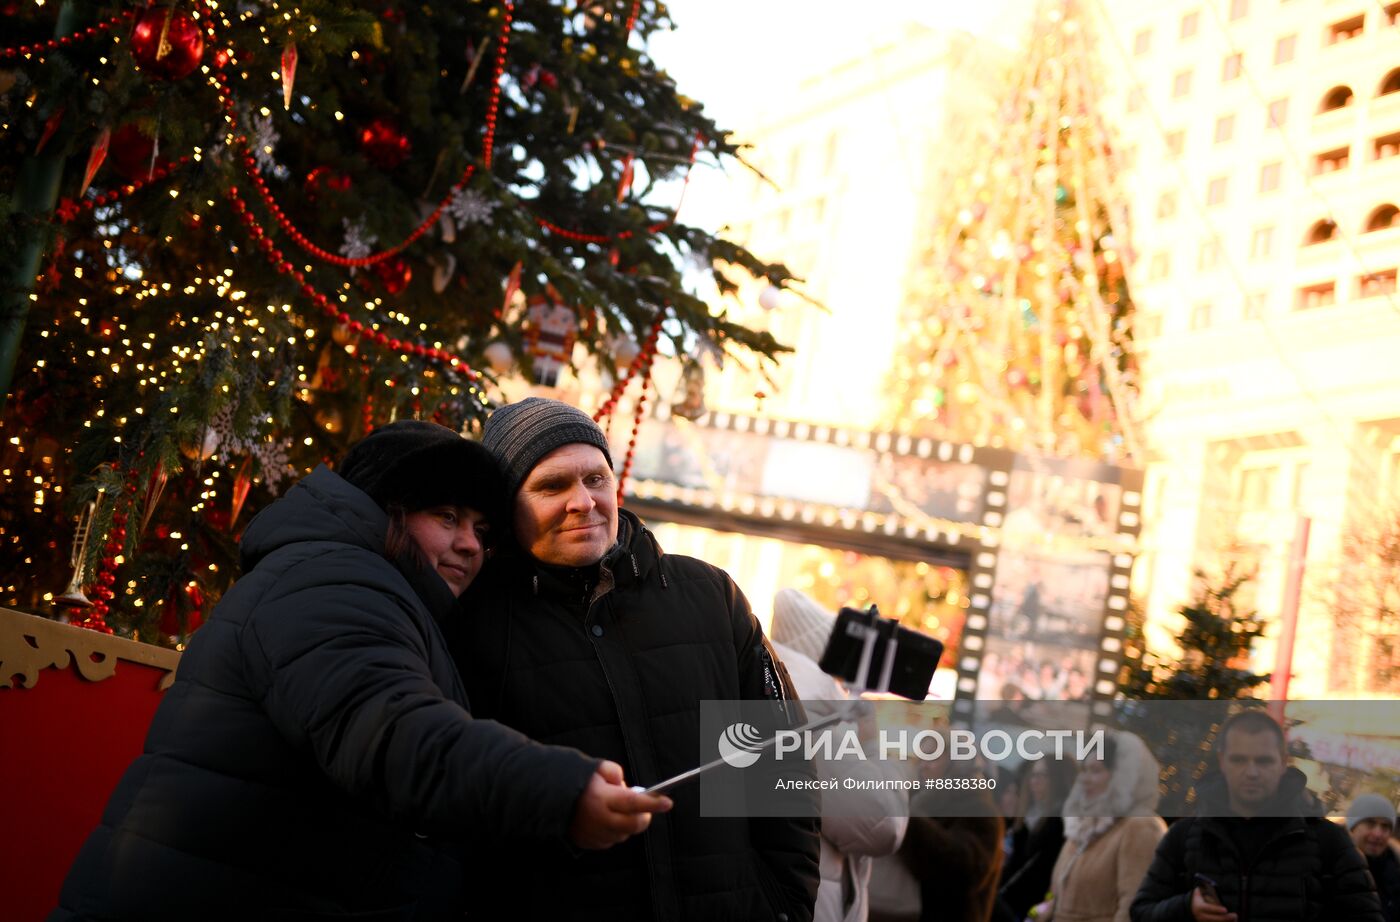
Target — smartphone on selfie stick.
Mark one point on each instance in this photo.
(870, 654)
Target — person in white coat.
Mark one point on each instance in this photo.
(866, 823)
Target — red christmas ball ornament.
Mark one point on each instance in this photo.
(384, 143)
(394, 274)
(548, 80)
(131, 151)
(325, 180)
(168, 43)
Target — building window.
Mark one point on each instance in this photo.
(1321, 232)
(1147, 326)
(1284, 48)
(1142, 42)
(833, 145)
(1128, 157)
(1159, 266)
(1224, 128)
(1256, 487)
(1331, 161)
(1386, 146)
(1391, 83)
(1190, 24)
(1383, 218)
(1269, 175)
(1339, 97)
(1239, 9)
(1216, 190)
(1376, 283)
(1135, 99)
(1255, 305)
(1321, 295)
(1181, 84)
(1200, 316)
(1346, 30)
(1208, 256)
(1176, 143)
(1261, 244)
(1278, 113)
(1166, 205)
(1231, 67)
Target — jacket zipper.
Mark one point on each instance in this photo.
(1244, 876)
(626, 741)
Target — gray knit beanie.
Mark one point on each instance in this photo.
(1367, 806)
(520, 434)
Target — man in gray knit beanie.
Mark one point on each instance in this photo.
(583, 632)
(559, 476)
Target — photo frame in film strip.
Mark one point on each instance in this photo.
(1047, 544)
(1048, 611)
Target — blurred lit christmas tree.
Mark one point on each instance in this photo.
(241, 233)
(1216, 642)
(1020, 336)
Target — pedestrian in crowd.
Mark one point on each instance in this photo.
(1259, 848)
(1371, 821)
(1110, 834)
(315, 757)
(1035, 835)
(863, 823)
(953, 846)
(584, 633)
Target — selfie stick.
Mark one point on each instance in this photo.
(858, 687)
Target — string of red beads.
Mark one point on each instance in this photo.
(642, 361)
(250, 166)
(64, 41)
(279, 262)
(103, 582)
(632, 17)
(632, 442)
(68, 209)
(627, 234)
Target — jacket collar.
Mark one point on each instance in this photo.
(633, 559)
(1293, 799)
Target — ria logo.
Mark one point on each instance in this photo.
(740, 745)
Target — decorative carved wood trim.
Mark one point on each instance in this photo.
(29, 645)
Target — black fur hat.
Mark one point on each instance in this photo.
(418, 464)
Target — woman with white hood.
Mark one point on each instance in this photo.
(867, 823)
(1111, 834)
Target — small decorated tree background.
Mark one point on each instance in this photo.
(1215, 640)
(242, 233)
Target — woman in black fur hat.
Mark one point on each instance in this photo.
(315, 757)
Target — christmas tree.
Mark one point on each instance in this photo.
(243, 233)
(1019, 335)
(1216, 640)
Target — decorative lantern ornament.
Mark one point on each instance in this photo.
(384, 143)
(690, 397)
(550, 331)
(770, 297)
(167, 42)
(624, 350)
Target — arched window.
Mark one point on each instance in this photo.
(1391, 83)
(1339, 97)
(1320, 232)
(1382, 218)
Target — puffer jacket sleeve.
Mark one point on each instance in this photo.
(1352, 896)
(789, 848)
(1161, 897)
(343, 669)
(1141, 834)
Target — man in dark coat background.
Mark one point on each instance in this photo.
(315, 758)
(1260, 837)
(1371, 822)
(584, 634)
